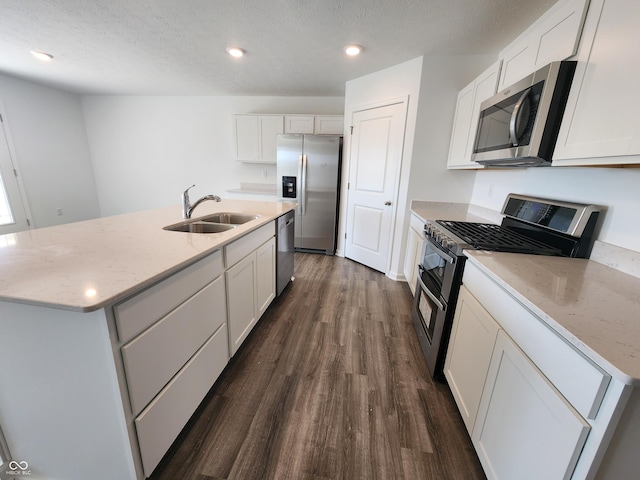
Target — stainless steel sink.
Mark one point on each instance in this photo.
(228, 218)
(200, 227)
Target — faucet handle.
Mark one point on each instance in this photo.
(186, 192)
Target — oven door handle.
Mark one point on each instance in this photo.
(444, 255)
(424, 288)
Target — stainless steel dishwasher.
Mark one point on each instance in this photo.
(284, 256)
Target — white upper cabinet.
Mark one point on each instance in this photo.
(553, 37)
(298, 123)
(329, 125)
(600, 125)
(254, 137)
(314, 124)
(466, 117)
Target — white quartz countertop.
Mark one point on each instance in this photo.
(594, 307)
(88, 265)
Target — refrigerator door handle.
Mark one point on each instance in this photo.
(303, 180)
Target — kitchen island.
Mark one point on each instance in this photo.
(113, 330)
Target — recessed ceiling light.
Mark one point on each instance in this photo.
(235, 51)
(352, 50)
(45, 57)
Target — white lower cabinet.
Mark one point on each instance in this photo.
(415, 244)
(160, 423)
(242, 299)
(473, 337)
(250, 282)
(525, 429)
(265, 275)
(535, 405)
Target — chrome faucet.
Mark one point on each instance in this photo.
(187, 208)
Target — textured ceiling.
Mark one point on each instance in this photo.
(294, 47)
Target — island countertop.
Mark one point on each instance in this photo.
(594, 307)
(85, 266)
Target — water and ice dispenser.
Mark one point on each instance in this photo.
(289, 187)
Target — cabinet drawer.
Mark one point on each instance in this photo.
(236, 251)
(161, 422)
(152, 358)
(580, 380)
(416, 224)
(139, 312)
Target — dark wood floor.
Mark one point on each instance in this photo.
(331, 384)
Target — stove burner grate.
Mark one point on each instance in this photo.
(487, 236)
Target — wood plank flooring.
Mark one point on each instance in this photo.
(331, 384)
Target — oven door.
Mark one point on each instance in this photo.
(429, 319)
(438, 269)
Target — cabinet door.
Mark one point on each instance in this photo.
(254, 137)
(601, 118)
(525, 429)
(553, 37)
(265, 275)
(461, 128)
(473, 337)
(329, 125)
(298, 124)
(241, 300)
(411, 259)
(467, 115)
(246, 138)
(270, 127)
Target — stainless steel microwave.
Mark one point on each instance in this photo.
(519, 125)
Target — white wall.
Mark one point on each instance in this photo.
(147, 149)
(48, 135)
(615, 188)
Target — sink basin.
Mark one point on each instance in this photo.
(229, 218)
(200, 227)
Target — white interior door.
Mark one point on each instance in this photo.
(13, 216)
(376, 153)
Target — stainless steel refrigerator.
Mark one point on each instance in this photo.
(309, 173)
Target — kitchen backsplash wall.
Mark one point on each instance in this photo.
(615, 188)
(146, 150)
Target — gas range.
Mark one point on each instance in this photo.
(529, 225)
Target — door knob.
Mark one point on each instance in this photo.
(387, 203)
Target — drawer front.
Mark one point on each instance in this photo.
(137, 313)
(236, 251)
(580, 380)
(416, 224)
(161, 422)
(153, 357)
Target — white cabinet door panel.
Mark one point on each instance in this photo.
(525, 429)
(473, 337)
(601, 118)
(241, 300)
(265, 275)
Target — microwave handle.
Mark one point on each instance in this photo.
(513, 123)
